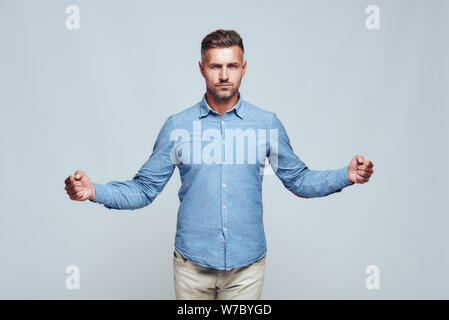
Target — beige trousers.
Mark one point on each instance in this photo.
(195, 282)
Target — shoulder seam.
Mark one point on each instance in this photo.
(173, 119)
(272, 118)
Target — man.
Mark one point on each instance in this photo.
(220, 247)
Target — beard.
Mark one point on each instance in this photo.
(224, 93)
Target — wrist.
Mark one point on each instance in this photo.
(92, 197)
(348, 180)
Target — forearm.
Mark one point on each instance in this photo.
(125, 195)
(149, 181)
(319, 183)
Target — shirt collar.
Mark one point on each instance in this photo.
(205, 108)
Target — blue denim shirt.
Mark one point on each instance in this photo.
(221, 161)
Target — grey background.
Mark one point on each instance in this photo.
(94, 99)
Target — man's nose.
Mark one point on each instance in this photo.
(224, 76)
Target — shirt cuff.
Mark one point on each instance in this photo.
(342, 175)
(101, 193)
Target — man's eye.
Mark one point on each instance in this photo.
(233, 66)
(214, 67)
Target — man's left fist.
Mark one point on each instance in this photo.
(360, 170)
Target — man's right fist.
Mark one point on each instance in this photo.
(79, 187)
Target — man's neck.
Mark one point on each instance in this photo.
(222, 105)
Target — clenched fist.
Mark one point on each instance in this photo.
(360, 170)
(79, 187)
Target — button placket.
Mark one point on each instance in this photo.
(223, 190)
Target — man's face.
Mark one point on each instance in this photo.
(223, 69)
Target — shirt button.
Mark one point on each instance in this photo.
(224, 207)
(224, 229)
(222, 122)
(224, 185)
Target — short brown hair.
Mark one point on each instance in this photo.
(221, 39)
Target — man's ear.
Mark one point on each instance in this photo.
(200, 64)
(244, 68)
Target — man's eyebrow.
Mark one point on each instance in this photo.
(220, 64)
